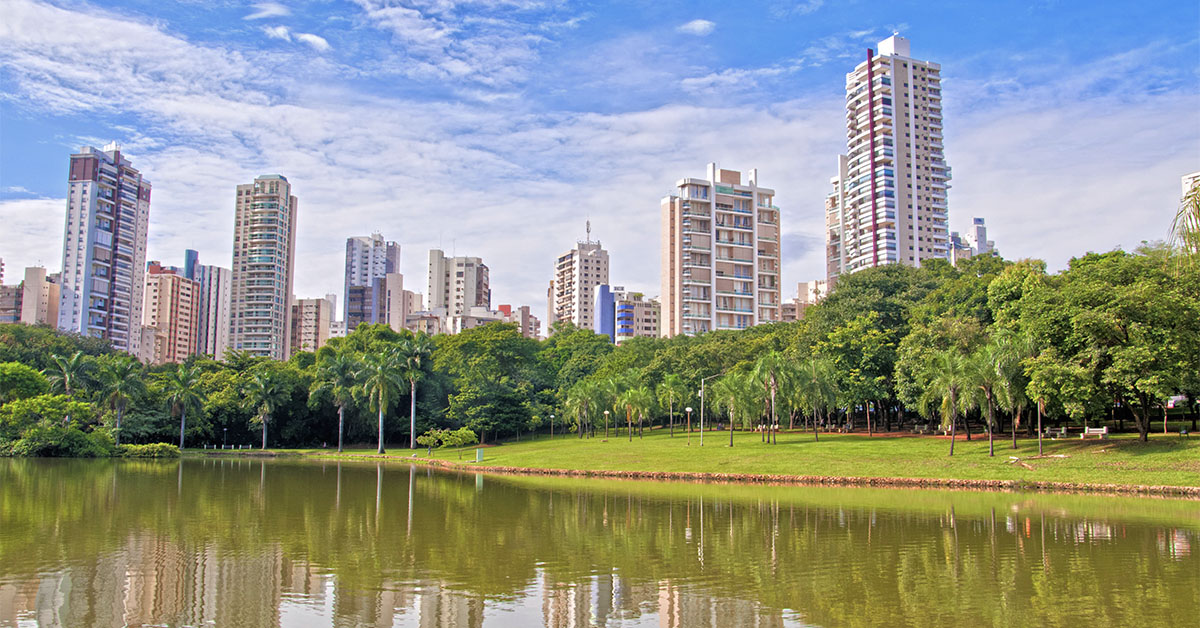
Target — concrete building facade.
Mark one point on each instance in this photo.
(888, 204)
(212, 335)
(104, 248)
(384, 301)
(367, 258)
(311, 320)
(264, 246)
(577, 272)
(172, 312)
(720, 254)
(457, 284)
(34, 301)
(623, 314)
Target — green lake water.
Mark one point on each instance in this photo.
(240, 542)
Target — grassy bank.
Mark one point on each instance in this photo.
(1165, 460)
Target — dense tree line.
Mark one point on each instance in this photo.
(986, 347)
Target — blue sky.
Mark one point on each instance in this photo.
(497, 127)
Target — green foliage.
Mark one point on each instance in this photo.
(150, 450)
(53, 439)
(16, 417)
(18, 381)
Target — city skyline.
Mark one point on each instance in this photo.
(534, 168)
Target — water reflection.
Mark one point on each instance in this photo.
(268, 543)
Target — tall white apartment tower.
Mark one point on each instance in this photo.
(888, 203)
(367, 259)
(577, 272)
(720, 254)
(104, 248)
(457, 284)
(264, 246)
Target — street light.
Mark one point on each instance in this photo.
(689, 413)
(551, 427)
(224, 436)
(606, 424)
(702, 405)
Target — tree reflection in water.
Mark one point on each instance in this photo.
(225, 542)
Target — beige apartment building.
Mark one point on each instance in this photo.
(34, 301)
(457, 284)
(264, 246)
(171, 314)
(888, 204)
(311, 319)
(577, 272)
(720, 254)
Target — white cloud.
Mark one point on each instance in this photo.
(697, 27)
(16, 189)
(316, 41)
(278, 32)
(793, 7)
(268, 9)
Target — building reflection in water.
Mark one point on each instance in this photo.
(231, 543)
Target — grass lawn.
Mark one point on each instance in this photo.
(1165, 460)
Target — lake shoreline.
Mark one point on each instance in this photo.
(1191, 492)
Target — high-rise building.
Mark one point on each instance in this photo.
(212, 335)
(368, 258)
(975, 242)
(810, 293)
(104, 248)
(384, 301)
(888, 205)
(576, 275)
(11, 303)
(34, 301)
(457, 284)
(311, 320)
(172, 312)
(264, 247)
(622, 314)
(720, 254)
(526, 322)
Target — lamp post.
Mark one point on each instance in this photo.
(224, 436)
(689, 413)
(702, 382)
(606, 424)
(551, 427)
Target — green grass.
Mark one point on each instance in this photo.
(1165, 460)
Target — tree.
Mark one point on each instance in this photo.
(773, 371)
(337, 371)
(1185, 229)
(18, 381)
(739, 393)
(431, 438)
(948, 379)
(984, 373)
(1014, 349)
(263, 395)
(182, 391)
(459, 438)
(67, 375)
(121, 379)
(636, 400)
(672, 390)
(414, 354)
(815, 389)
(582, 401)
(380, 378)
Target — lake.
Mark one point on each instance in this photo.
(245, 542)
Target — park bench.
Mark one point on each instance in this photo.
(1102, 432)
(1056, 433)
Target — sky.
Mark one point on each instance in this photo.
(496, 128)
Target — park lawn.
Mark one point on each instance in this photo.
(1165, 460)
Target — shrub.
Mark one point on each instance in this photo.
(51, 439)
(151, 450)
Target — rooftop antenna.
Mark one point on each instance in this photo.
(589, 231)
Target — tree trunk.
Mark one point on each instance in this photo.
(380, 450)
(953, 422)
(264, 421)
(816, 428)
(991, 421)
(341, 425)
(870, 431)
(117, 435)
(731, 428)
(412, 418)
(629, 423)
(671, 414)
(1016, 415)
(182, 424)
(1041, 409)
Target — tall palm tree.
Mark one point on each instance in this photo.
(983, 370)
(948, 381)
(816, 389)
(582, 400)
(68, 375)
(120, 379)
(774, 372)
(727, 393)
(264, 394)
(643, 399)
(672, 390)
(1185, 229)
(414, 354)
(1014, 350)
(182, 388)
(380, 379)
(612, 390)
(337, 371)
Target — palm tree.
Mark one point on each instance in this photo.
(816, 389)
(414, 354)
(264, 394)
(582, 400)
(380, 378)
(337, 371)
(1185, 229)
(67, 375)
(1014, 350)
(120, 379)
(672, 390)
(612, 389)
(181, 386)
(948, 381)
(986, 380)
(726, 393)
(643, 399)
(774, 372)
